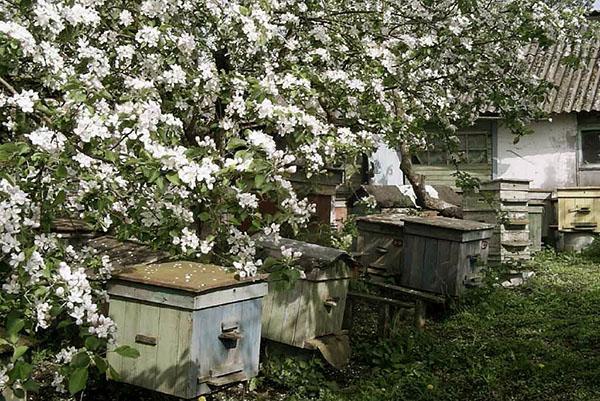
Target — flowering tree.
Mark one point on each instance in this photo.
(170, 121)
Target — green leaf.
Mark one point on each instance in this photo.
(61, 171)
(60, 198)
(235, 143)
(64, 323)
(78, 380)
(100, 363)
(19, 392)
(127, 352)
(259, 180)
(174, 178)
(14, 325)
(20, 371)
(80, 360)
(113, 374)
(92, 343)
(11, 150)
(31, 386)
(19, 351)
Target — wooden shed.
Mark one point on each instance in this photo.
(443, 255)
(195, 325)
(313, 308)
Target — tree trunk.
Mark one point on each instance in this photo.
(417, 181)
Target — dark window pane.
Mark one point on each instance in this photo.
(590, 147)
(437, 158)
(477, 141)
(477, 156)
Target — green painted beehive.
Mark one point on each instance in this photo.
(314, 307)
(195, 325)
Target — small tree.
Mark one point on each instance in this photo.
(171, 121)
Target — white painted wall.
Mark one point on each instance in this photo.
(548, 157)
(386, 166)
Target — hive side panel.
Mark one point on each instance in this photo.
(127, 337)
(117, 310)
(430, 265)
(167, 350)
(292, 305)
(186, 380)
(251, 313)
(306, 315)
(414, 269)
(444, 263)
(272, 330)
(146, 364)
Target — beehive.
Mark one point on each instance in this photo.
(443, 255)
(314, 306)
(503, 203)
(579, 209)
(195, 325)
(380, 242)
(536, 221)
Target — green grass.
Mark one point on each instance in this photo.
(540, 342)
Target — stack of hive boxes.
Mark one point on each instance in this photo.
(502, 202)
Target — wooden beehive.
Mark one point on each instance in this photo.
(536, 221)
(579, 209)
(443, 255)
(503, 203)
(314, 306)
(380, 242)
(195, 325)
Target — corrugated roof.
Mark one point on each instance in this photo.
(576, 89)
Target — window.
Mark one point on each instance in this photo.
(590, 147)
(473, 148)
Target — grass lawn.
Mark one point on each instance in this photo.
(540, 341)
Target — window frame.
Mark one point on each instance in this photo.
(580, 164)
(426, 155)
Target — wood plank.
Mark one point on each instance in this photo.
(378, 299)
(430, 266)
(185, 383)
(167, 351)
(116, 311)
(127, 337)
(434, 298)
(146, 364)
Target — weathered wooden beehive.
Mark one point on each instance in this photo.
(380, 243)
(443, 255)
(503, 203)
(579, 209)
(195, 325)
(536, 221)
(314, 307)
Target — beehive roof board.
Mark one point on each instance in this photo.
(447, 228)
(184, 284)
(505, 184)
(317, 261)
(387, 224)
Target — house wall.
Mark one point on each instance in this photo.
(386, 166)
(548, 156)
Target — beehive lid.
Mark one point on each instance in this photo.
(505, 184)
(578, 192)
(317, 261)
(447, 228)
(182, 275)
(392, 219)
